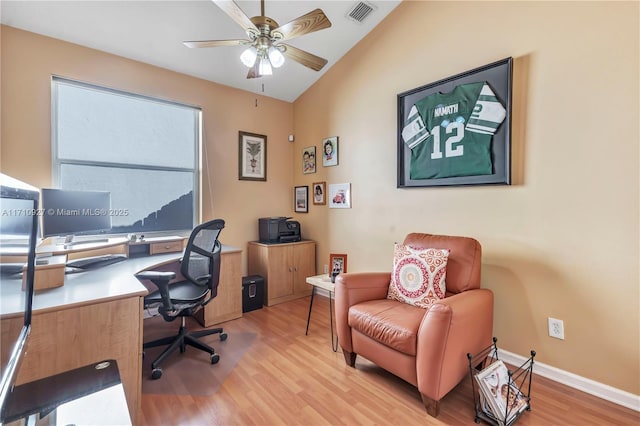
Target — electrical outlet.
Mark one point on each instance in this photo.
(556, 328)
(326, 269)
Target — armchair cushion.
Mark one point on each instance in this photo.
(388, 322)
(418, 276)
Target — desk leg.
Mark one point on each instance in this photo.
(313, 293)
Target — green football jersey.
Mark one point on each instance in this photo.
(449, 134)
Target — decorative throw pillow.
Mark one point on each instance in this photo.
(418, 276)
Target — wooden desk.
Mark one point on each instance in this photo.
(324, 282)
(228, 303)
(95, 315)
(79, 249)
(157, 245)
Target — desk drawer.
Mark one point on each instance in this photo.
(165, 247)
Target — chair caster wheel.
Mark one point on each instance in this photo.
(223, 337)
(215, 358)
(156, 373)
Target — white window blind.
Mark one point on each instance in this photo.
(144, 151)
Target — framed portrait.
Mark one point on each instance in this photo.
(309, 160)
(301, 199)
(252, 156)
(319, 193)
(330, 151)
(338, 263)
(339, 196)
(457, 131)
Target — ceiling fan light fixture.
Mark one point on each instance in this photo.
(249, 56)
(265, 66)
(275, 57)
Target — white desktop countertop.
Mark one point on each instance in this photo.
(113, 281)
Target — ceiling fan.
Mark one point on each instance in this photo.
(265, 48)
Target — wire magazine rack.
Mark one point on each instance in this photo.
(520, 378)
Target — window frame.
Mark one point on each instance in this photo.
(57, 162)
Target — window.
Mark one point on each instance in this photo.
(144, 151)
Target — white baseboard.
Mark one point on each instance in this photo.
(606, 392)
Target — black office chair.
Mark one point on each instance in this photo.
(200, 267)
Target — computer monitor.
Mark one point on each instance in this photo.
(16, 222)
(68, 213)
(18, 204)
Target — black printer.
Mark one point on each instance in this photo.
(278, 230)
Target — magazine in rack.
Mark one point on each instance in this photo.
(499, 394)
(502, 395)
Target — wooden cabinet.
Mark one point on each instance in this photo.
(284, 267)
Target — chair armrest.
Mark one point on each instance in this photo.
(156, 275)
(352, 288)
(451, 328)
(358, 287)
(161, 280)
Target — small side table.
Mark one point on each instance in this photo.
(324, 282)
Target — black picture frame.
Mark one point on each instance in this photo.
(499, 77)
(252, 156)
(301, 199)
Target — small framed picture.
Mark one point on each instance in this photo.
(337, 263)
(301, 199)
(309, 160)
(340, 195)
(319, 193)
(252, 156)
(330, 151)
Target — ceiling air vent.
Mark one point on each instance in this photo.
(360, 11)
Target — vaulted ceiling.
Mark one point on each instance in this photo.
(153, 32)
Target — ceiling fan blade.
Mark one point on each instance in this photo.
(233, 10)
(315, 20)
(305, 58)
(215, 43)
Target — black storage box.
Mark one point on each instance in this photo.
(252, 293)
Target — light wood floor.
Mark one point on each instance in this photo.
(287, 378)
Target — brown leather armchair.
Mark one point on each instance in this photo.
(425, 347)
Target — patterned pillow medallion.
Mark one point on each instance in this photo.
(418, 276)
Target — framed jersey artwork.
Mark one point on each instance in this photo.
(457, 131)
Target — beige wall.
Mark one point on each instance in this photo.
(562, 240)
(29, 60)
